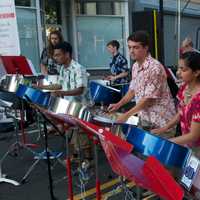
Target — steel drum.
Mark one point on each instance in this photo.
(103, 94)
(110, 121)
(167, 152)
(54, 104)
(10, 82)
(58, 105)
(21, 91)
(48, 80)
(103, 82)
(72, 108)
(124, 89)
(33, 95)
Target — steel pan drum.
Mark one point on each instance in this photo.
(167, 152)
(37, 96)
(103, 82)
(124, 89)
(73, 108)
(58, 105)
(103, 94)
(10, 82)
(33, 95)
(48, 80)
(109, 123)
(111, 120)
(21, 91)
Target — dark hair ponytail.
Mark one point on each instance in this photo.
(192, 60)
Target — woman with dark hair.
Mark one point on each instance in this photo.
(189, 102)
(47, 62)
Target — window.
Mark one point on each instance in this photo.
(99, 8)
(93, 35)
(26, 3)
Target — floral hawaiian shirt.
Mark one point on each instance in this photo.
(149, 80)
(72, 77)
(188, 112)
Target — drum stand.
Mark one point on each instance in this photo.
(68, 168)
(83, 173)
(48, 154)
(98, 189)
(13, 147)
(2, 176)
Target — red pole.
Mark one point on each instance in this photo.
(98, 189)
(69, 174)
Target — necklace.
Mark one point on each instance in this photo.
(188, 95)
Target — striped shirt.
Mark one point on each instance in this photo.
(72, 77)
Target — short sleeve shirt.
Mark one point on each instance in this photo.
(188, 112)
(150, 81)
(72, 77)
(52, 67)
(119, 65)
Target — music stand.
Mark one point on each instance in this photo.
(16, 65)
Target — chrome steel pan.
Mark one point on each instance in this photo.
(72, 108)
(58, 105)
(103, 94)
(10, 83)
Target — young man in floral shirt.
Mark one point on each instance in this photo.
(154, 103)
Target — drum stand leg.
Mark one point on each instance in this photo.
(68, 167)
(40, 135)
(15, 146)
(2, 176)
(22, 127)
(45, 120)
(48, 160)
(98, 190)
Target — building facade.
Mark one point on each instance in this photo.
(89, 24)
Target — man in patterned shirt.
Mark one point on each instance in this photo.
(154, 103)
(118, 64)
(72, 84)
(72, 79)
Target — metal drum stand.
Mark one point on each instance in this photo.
(2, 176)
(17, 144)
